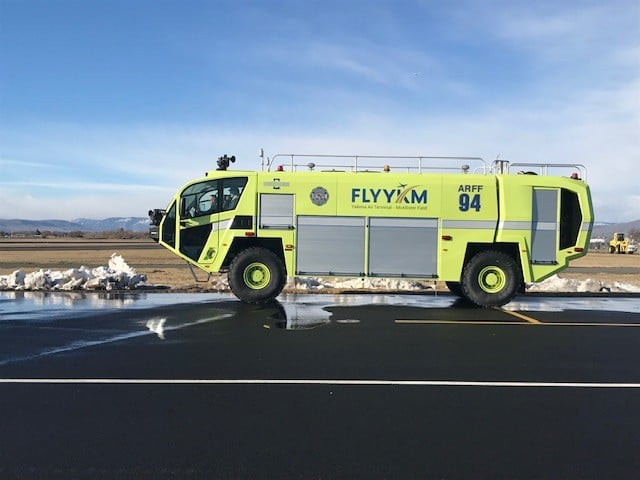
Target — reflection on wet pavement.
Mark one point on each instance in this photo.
(31, 306)
(47, 323)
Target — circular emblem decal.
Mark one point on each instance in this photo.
(319, 196)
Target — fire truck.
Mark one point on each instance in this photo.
(484, 229)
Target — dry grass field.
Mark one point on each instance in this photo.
(163, 268)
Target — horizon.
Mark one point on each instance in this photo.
(108, 108)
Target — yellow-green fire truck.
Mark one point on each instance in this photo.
(483, 229)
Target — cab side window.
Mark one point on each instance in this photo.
(232, 189)
(200, 199)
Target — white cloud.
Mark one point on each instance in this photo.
(45, 205)
(19, 163)
(598, 128)
(403, 67)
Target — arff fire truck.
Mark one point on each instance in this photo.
(485, 230)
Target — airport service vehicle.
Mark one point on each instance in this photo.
(483, 229)
(619, 244)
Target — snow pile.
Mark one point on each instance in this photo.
(117, 276)
(319, 283)
(558, 284)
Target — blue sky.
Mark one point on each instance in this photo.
(107, 107)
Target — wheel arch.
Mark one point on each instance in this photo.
(242, 243)
(510, 248)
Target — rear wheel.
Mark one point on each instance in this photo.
(256, 275)
(491, 278)
(612, 249)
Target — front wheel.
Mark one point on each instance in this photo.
(256, 275)
(491, 278)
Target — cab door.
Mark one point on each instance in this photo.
(199, 214)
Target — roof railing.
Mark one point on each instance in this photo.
(504, 166)
(363, 163)
(419, 164)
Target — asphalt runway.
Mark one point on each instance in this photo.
(161, 385)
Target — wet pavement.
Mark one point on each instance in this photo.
(164, 385)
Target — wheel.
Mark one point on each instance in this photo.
(256, 275)
(612, 249)
(491, 278)
(455, 288)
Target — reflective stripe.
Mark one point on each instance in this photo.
(546, 226)
(331, 221)
(469, 224)
(404, 222)
(514, 225)
(586, 226)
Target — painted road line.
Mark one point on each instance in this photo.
(256, 381)
(518, 315)
(458, 322)
(587, 324)
(498, 322)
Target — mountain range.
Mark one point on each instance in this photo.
(135, 224)
(606, 230)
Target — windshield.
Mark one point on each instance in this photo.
(212, 196)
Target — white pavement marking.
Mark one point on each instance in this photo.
(430, 383)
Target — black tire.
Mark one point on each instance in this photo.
(612, 249)
(491, 278)
(256, 275)
(455, 288)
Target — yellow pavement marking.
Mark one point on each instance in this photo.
(458, 322)
(497, 322)
(518, 315)
(586, 324)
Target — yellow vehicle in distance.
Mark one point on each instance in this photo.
(619, 244)
(484, 230)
